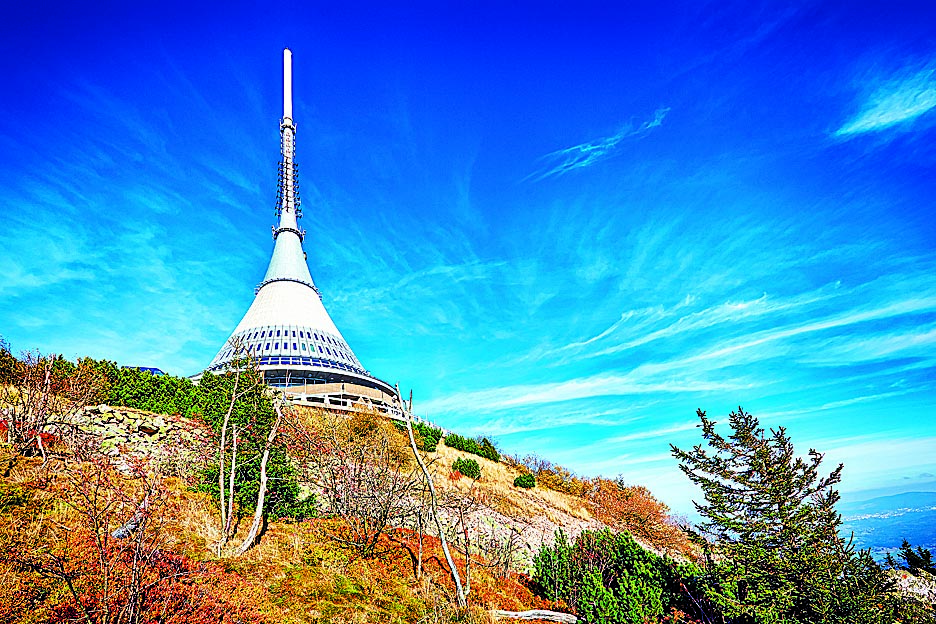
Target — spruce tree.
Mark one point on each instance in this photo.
(769, 529)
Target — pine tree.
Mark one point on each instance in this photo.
(914, 561)
(769, 525)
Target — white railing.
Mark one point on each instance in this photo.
(343, 402)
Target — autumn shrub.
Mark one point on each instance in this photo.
(526, 480)
(178, 591)
(77, 579)
(549, 475)
(633, 508)
(560, 479)
(483, 448)
(467, 467)
(608, 578)
(90, 544)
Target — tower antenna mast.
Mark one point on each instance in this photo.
(287, 84)
(287, 194)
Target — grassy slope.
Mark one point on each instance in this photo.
(497, 482)
(296, 573)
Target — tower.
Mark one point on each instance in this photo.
(287, 329)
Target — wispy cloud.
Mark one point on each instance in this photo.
(886, 455)
(914, 342)
(612, 384)
(728, 312)
(586, 154)
(897, 100)
(811, 410)
(709, 362)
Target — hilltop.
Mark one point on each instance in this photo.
(129, 498)
(120, 449)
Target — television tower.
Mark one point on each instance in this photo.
(287, 330)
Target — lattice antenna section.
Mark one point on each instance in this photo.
(282, 188)
(287, 173)
(287, 188)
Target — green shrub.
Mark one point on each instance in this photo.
(610, 579)
(467, 467)
(484, 448)
(526, 480)
(11, 496)
(427, 437)
(8, 363)
(163, 394)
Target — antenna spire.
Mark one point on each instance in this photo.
(287, 196)
(287, 83)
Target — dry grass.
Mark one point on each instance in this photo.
(496, 483)
(309, 578)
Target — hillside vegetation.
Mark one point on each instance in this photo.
(222, 502)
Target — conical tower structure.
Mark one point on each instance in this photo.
(287, 329)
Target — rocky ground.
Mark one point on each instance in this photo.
(920, 585)
(173, 443)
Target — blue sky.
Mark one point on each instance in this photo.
(566, 225)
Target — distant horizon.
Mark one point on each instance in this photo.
(564, 227)
(860, 496)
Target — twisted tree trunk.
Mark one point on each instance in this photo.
(459, 592)
(258, 512)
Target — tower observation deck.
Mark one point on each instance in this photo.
(287, 330)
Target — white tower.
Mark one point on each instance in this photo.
(287, 329)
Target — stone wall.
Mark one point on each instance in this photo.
(171, 442)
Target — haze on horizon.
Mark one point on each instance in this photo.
(564, 226)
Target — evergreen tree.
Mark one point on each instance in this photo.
(770, 531)
(914, 561)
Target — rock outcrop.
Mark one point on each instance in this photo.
(921, 586)
(171, 442)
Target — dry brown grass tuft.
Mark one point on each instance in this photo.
(195, 524)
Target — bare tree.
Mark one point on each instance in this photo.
(258, 510)
(246, 412)
(459, 591)
(45, 393)
(243, 385)
(362, 469)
